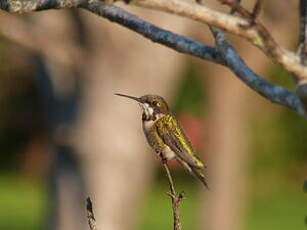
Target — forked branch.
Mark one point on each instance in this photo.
(175, 197)
(257, 9)
(257, 34)
(236, 7)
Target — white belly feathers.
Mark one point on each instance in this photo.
(147, 125)
(168, 153)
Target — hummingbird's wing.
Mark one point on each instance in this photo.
(174, 137)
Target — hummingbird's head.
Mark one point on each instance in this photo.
(153, 106)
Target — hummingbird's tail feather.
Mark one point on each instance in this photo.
(197, 172)
(200, 175)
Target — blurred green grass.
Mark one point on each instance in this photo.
(282, 208)
(285, 208)
(22, 204)
(156, 212)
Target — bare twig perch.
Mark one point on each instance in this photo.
(176, 198)
(90, 214)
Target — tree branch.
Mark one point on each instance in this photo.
(223, 53)
(176, 198)
(90, 214)
(302, 49)
(257, 9)
(236, 7)
(27, 6)
(257, 34)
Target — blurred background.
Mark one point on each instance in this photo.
(65, 136)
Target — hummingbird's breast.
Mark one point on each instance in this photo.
(149, 124)
(154, 139)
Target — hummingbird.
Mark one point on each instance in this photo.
(165, 135)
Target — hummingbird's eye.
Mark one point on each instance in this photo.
(156, 103)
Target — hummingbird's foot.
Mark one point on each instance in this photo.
(163, 158)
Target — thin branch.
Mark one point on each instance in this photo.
(237, 8)
(240, 69)
(251, 17)
(90, 214)
(302, 47)
(258, 35)
(223, 54)
(172, 40)
(233, 10)
(176, 198)
(27, 6)
(257, 9)
(302, 50)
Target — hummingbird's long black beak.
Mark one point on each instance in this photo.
(131, 97)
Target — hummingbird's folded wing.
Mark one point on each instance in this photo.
(173, 136)
(180, 152)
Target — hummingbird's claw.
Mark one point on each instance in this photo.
(163, 158)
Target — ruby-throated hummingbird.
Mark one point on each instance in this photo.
(165, 135)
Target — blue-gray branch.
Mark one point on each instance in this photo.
(223, 53)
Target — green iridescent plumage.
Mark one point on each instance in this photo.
(165, 135)
(172, 135)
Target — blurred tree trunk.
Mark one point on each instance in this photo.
(228, 151)
(58, 78)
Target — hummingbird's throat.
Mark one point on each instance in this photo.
(148, 112)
